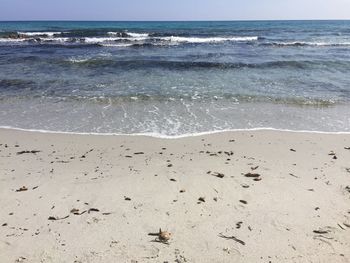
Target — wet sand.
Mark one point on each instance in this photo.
(250, 196)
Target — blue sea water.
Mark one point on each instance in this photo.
(175, 78)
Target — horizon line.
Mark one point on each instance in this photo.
(238, 20)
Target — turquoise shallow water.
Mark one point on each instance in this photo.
(175, 78)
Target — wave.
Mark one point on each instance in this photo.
(116, 45)
(207, 39)
(303, 44)
(207, 98)
(33, 34)
(139, 38)
(124, 38)
(15, 84)
(179, 97)
(128, 34)
(193, 65)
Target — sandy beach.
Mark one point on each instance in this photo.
(245, 196)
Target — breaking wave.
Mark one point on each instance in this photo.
(109, 38)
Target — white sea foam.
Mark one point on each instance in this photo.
(31, 34)
(130, 34)
(137, 35)
(116, 45)
(55, 39)
(6, 40)
(100, 39)
(113, 33)
(97, 40)
(78, 59)
(208, 39)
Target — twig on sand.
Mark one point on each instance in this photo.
(54, 218)
(233, 238)
(33, 152)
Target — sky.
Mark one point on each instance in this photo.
(130, 10)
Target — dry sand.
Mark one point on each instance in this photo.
(121, 188)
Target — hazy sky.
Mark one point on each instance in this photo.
(173, 9)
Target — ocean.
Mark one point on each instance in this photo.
(175, 78)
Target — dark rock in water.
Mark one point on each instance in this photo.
(15, 36)
(123, 34)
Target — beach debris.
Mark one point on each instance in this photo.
(252, 175)
(347, 148)
(20, 259)
(55, 218)
(332, 153)
(76, 211)
(93, 210)
(245, 185)
(127, 198)
(138, 153)
(32, 151)
(239, 224)
(35, 187)
(292, 150)
(232, 238)
(219, 175)
(347, 189)
(182, 190)
(294, 175)
(84, 155)
(346, 224)
(106, 213)
(22, 189)
(201, 200)
(229, 153)
(341, 227)
(162, 236)
(173, 180)
(254, 168)
(170, 165)
(243, 202)
(4, 224)
(321, 232)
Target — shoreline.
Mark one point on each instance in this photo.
(173, 137)
(244, 196)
